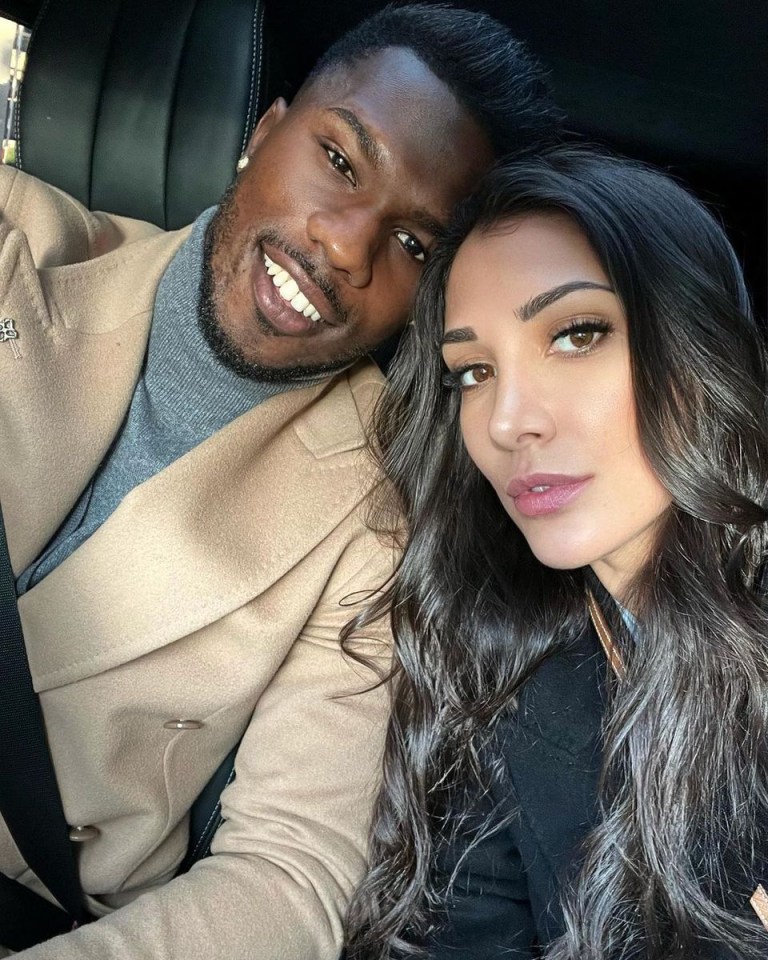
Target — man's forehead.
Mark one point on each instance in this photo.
(419, 140)
(391, 84)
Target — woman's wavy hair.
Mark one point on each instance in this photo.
(684, 791)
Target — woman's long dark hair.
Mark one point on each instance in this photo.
(684, 791)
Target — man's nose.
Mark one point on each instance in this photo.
(522, 414)
(349, 237)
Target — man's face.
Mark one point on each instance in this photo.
(334, 217)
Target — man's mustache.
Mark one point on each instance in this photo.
(316, 273)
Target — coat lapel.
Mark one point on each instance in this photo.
(554, 756)
(203, 537)
(199, 539)
(82, 333)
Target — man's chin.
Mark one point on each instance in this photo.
(262, 368)
(229, 354)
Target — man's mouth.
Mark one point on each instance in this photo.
(291, 298)
(289, 289)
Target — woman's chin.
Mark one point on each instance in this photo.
(557, 558)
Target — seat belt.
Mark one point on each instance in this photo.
(205, 816)
(30, 802)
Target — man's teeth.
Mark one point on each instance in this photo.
(539, 489)
(289, 290)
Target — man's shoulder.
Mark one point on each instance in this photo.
(366, 383)
(357, 389)
(338, 418)
(59, 229)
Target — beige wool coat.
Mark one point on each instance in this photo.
(214, 593)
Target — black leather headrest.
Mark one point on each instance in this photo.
(141, 108)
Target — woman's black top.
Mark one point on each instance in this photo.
(506, 898)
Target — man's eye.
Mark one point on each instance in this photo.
(339, 162)
(411, 245)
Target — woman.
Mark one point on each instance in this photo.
(577, 765)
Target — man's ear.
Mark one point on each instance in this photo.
(267, 120)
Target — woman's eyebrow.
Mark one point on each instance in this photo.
(461, 335)
(536, 304)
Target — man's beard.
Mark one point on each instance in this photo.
(225, 350)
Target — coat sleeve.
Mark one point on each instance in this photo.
(292, 848)
(488, 914)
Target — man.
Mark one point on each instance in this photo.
(183, 477)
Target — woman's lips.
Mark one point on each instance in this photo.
(543, 493)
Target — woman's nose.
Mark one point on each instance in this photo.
(521, 414)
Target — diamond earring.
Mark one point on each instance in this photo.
(242, 163)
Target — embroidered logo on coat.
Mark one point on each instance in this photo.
(9, 334)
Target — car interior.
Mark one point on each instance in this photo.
(141, 107)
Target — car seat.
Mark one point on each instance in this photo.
(141, 108)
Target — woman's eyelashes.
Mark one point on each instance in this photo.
(468, 376)
(580, 336)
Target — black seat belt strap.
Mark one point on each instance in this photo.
(26, 919)
(30, 802)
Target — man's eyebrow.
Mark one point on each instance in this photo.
(461, 335)
(372, 152)
(426, 221)
(536, 304)
(368, 145)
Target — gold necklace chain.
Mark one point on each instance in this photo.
(759, 903)
(604, 635)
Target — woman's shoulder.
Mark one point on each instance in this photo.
(562, 702)
(548, 757)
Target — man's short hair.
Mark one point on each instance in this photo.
(491, 74)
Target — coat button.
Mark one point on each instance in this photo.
(81, 834)
(182, 724)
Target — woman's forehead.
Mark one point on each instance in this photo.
(519, 260)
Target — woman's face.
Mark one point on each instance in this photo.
(536, 341)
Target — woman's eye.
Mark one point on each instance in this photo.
(339, 162)
(474, 376)
(411, 245)
(579, 339)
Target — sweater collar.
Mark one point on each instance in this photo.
(183, 377)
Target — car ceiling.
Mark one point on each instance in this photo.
(676, 82)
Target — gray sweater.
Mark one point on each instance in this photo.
(183, 396)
